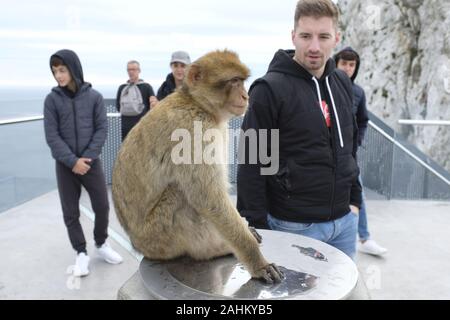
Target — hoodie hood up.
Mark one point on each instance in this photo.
(338, 56)
(71, 60)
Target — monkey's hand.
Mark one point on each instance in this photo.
(255, 233)
(270, 273)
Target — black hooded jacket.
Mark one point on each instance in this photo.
(317, 176)
(359, 97)
(167, 87)
(75, 124)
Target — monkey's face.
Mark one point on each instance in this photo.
(217, 79)
(237, 99)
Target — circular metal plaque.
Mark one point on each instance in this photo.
(312, 269)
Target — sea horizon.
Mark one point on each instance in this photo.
(27, 101)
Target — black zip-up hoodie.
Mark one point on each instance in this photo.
(317, 176)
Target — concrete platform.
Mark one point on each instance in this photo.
(36, 254)
(417, 235)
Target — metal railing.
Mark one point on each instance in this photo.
(425, 122)
(409, 153)
(389, 165)
(26, 166)
(21, 120)
(393, 167)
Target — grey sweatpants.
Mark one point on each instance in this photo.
(69, 187)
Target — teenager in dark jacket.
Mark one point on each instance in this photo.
(349, 61)
(146, 91)
(75, 126)
(178, 63)
(315, 192)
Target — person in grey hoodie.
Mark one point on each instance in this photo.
(75, 126)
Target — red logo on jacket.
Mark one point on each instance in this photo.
(326, 113)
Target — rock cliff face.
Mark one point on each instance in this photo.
(405, 71)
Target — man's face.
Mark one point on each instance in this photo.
(178, 70)
(348, 66)
(314, 40)
(62, 75)
(133, 72)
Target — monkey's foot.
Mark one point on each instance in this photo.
(270, 274)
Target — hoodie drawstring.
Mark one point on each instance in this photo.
(319, 95)
(334, 107)
(335, 112)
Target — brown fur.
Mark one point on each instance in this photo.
(173, 210)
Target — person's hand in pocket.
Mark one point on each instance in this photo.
(354, 209)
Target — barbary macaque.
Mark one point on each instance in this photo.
(174, 208)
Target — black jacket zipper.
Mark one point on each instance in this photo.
(331, 138)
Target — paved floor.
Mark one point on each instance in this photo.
(36, 256)
(36, 253)
(417, 234)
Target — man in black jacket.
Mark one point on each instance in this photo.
(315, 192)
(348, 60)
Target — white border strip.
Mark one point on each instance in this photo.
(124, 243)
(398, 144)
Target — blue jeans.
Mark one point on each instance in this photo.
(363, 230)
(339, 233)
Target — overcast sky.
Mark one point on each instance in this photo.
(106, 34)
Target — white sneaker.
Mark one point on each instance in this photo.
(80, 269)
(109, 255)
(371, 247)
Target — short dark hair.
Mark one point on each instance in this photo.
(56, 61)
(348, 56)
(316, 9)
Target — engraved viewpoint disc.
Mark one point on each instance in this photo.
(313, 270)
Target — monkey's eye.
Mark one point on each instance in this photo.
(236, 82)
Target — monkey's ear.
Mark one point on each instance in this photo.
(195, 74)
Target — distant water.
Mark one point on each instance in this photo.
(29, 101)
(21, 102)
(26, 166)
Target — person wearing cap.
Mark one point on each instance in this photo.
(178, 63)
